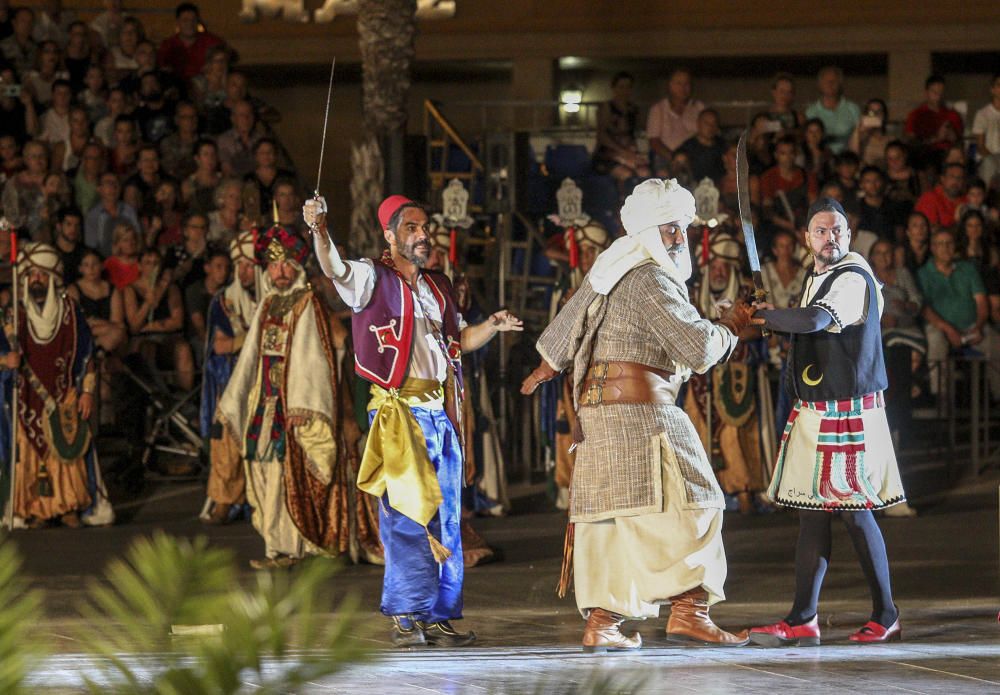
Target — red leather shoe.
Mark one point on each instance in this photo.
(873, 632)
(781, 634)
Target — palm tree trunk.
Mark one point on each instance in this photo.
(386, 29)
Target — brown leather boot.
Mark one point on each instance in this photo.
(603, 633)
(689, 622)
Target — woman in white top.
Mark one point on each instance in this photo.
(46, 72)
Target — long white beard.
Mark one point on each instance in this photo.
(43, 323)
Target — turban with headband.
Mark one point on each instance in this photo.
(45, 321)
(652, 203)
(242, 248)
(278, 244)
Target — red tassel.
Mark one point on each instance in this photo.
(453, 247)
(574, 249)
(13, 248)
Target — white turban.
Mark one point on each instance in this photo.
(652, 203)
(241, 249)
(43, 322)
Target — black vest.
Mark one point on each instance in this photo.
(839, 366)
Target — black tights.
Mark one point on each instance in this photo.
(812, 556)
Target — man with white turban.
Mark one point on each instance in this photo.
(57, 478)
(229, 316)
(645, 506)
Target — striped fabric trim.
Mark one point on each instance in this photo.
(869, 401)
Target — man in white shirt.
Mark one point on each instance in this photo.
(986, 128)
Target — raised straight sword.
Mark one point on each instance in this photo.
(746, 217)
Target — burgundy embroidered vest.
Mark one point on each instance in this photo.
(383, 330)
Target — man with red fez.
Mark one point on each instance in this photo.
(408, 340)
(57, 479)
(645, 506)
(282, 405)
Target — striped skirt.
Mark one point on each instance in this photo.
(837, 455)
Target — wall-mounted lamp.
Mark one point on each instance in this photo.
(570, 99)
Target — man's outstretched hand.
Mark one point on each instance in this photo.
(542, 373)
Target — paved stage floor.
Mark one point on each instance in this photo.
(944, 564)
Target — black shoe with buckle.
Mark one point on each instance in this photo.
(406, 632)
(442, 634)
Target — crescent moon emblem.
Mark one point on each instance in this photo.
(807, 380)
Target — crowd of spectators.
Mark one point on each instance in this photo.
(139, 159)
(922, 194)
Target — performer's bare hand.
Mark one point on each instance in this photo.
(314, 213)
(757, 306)
(504, 321)
(542, 373)
(85, 405)
(12, 360)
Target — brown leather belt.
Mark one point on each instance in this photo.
(625, 382)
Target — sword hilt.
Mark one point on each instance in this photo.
(759, 296)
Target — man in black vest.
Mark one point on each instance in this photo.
(836, 454)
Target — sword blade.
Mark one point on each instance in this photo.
(326, 120)
(746, 215)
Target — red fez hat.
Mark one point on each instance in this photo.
(389, 207)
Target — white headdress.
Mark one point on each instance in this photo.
(43, 323)
(241, 249)
(652, 203)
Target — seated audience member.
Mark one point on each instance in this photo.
(760, 144)
(956, 311)
(85, 180)
(198, 190)
(286, 197)
(903, 185)
(118, 105)
(145, 58)
(976, 244)
(617, 153)
(869, 138)
(140, 188)
(705, 148)
(672, 120)
(54, 123)
(199, 295)
(66, 155)
(208, 89)
(53, 23)
(932, 126)
(154, 310)
(155, 115)
(186, 262)
(816, 156)
(101, 302)
(122, 266)
(163, 228)
(783, 275)
(976, 199)
(99, 225)
(55, 196)
(47, 70)
(94, 97)
(786, 188)
(10, 158)
(18, 117)
(68, 242)
(782, 109)
(237, 90)
(839, 115)
(175, 149)
(23, 198)
(79, 56)
(108, 24)
(259, 185)
(986, 130)
(124, 148)
(875, 213)
(939, 203)
(902, 336)
(224, 221)
(19, 49)
(915, 249)
(121, 59)
(845, 172)
(184, 52)
(728, 193)
(236, 144)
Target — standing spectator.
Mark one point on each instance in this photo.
(184, 53)
(79, 55)
(23, 200)
(916, 248)
(782, 109)
(55, 121)
(87, 176)
(155, 115)
(66, 155)
(108, 24)
(816, 156)
(617, 153)
(869, 138)
(259, 185)
(99, 225)
(68, 242)
(17, 113)
(875, 213)
(140, 188)
(100, 301)
(672, 120)
(932, 126)
(19, 48)
(939, 204)
(121, 59)
(53, 23)
(956, 310)
(176, 148)
(199, 295)
(236, 144)
(40, 80)
(224, 221)
(706, 148)
(198, 190)
(986, 129)
(839, 115)
(122, 266)
(786, 189)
